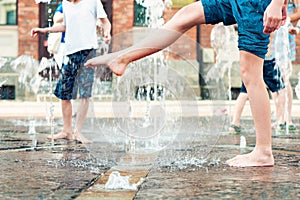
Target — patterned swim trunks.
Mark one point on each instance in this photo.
(75, 77)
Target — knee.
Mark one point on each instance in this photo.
(245, 76)
(251, 81)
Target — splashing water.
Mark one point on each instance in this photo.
(153, 19)
(155, 107)
(154, 12)
(26, 67)
(2, 83)
(116, 181)
(223, 41)
(282, 51)
(32, 132)
(243, 142)
(2, 61)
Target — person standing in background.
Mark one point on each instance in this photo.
(285, 118)
(79, 22)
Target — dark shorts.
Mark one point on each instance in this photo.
(75, 77)
(272, 77)
(248, 14)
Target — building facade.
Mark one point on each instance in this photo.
(18, 17)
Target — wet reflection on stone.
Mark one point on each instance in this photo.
(178, 172)
(220, 182)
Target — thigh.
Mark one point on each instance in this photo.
(85, 82)
(216, 11)
(65, 85)
(251, 68)
(249, 16)
(85, 77)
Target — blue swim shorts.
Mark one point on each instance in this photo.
(248, 14)
(271, 75)
(75, 77)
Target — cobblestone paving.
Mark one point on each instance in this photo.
(68, 169)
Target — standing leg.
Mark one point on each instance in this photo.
(66, 133)
(80, 118)
(290, 101)
(287, 98)
(279, 101)
(251, 72)
(240, 103)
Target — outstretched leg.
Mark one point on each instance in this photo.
(183, 20)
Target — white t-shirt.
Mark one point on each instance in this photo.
(80, 20)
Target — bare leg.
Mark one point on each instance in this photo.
(251, 72)
(289, 102)
(183, 20)
(80, 117)
(66, 133)
(287, 97)
(239, 106)
(279, 100)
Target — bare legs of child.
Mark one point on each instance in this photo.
(251, 72)
(67, 132)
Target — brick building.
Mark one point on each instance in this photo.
(30, 14)
(15, 39)
(121, 13)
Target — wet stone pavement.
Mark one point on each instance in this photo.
(69, 170)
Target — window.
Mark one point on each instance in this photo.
(8, 12)
(139, 15)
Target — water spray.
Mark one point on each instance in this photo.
(282, 51)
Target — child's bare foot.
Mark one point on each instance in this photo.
(61, 135)
(79, 138)
(253, 159)
(116, 64)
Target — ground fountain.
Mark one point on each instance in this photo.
(155, 109)
(34, 80)
(154, 126)
(26, 68)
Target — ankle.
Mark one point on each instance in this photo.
(264, 150)
(67, 132)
